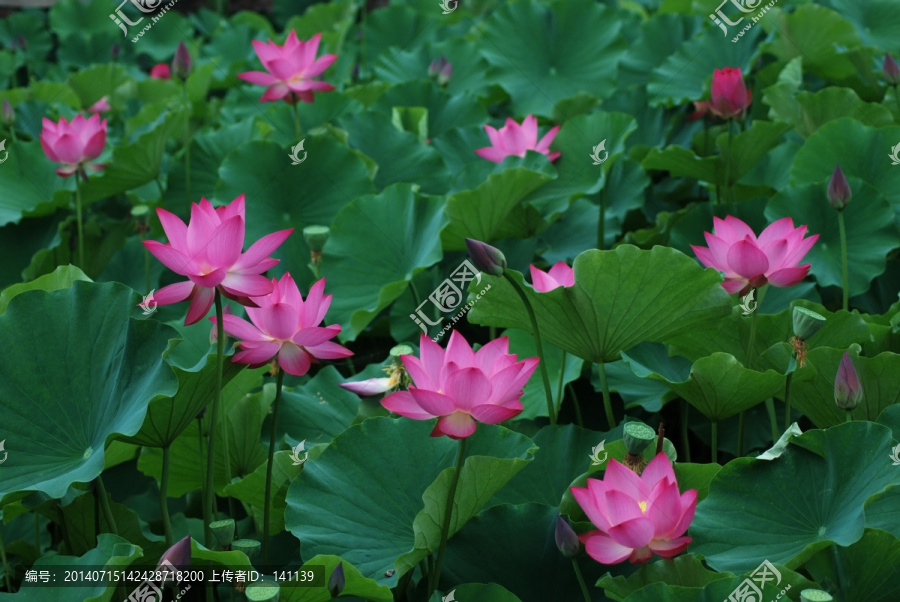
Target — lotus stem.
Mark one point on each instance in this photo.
(213, 421)
(279, 384)
(773, 421)
(6, 570)
(206, 517)
(104, 505)
(727, 158)
(448, 512)
(80, 221)
(787, 401)
(537, 344)
(559, 387)
(845, 278)
(685, 440)
(187, 147)
(607, 401)
(849, 416)
(580, 577)
(715, 440)
(297, 129)
(37, 532)
(578, 417)
(601, 223)
(163, 497)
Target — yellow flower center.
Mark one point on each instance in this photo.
(643, 506)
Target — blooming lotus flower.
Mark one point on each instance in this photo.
(74, 144)
(515, 139)
(730, 97)
(459, 386)
(100, 106)
(559, 275)
(161, 71)
(287, 327)
(847, 388)
(751, 262)
(208, 252)
(291, 69)
(636, 516)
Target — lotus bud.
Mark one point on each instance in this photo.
(436, 65)
(336, 581)
(566, 539)
(445, 74)
(250, 547)
(486, 258)
(839, 192)
(891, 70)
(179, 555)
(807, 322)
(115, 51)
(182, 63)
(847, 388)
(8, 114)
(223, 530)
(638, 437)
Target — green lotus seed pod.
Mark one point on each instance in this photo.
(263, 591)
(815, 595)
(316, 236)
(223, 531)
(806, 322)
(638, 436)
(250, 547)
(399, 350)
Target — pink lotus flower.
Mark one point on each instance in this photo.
(751, 262)
(291, 69)
(515, 139)
(100, 106)
(559, 275)
(161, 71)
(730, 97)
(459, 386)
(285, 326)
(369, 387)
(74, 144)
(636, 516)
(208, 252)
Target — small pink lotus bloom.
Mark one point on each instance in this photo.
(208, 252)
(751, 262)
(291, 69)
(730, 97)
(74, 144)
(559, 275)
(459, 386)
(161, 71)
(636, 516)
(100, 106)
(287, 327)
(515, 139)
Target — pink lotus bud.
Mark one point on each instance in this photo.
(182, 63)
(566, 539)
(891, 70)
(839, 192)
(486, 258)
(161, 71)
(100, 106)
(445, 74)
(730, 97)
(336, 581)
(847, 388)
(179, 555)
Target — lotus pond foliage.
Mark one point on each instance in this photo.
(438, 301)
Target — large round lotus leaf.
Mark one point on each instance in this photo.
(364, 500)
(862, 153)
(785, 510)
(377, 244)
(573, 45)
(879, 377)
(876, 22)
(683, 571)
(281, 195)
(865, 571)
(869, 222)
(61, 278)
(718, 385)
(60, 403)
(29, 185)
(514, 545)
(620, 298)
(661, 36)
